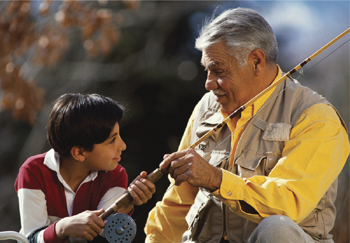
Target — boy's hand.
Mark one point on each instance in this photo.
(141, 189)
(86, 225)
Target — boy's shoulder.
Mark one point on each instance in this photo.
(32, 173)
(34, 161)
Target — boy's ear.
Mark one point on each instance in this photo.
(77, 153)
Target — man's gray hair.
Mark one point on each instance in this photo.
(243, 31)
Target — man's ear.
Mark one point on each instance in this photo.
(258, 60)
(78, 153)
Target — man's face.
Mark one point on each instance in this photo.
(230, 83)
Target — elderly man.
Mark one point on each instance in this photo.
(270, 175)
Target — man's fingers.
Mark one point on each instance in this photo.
(181, 178)
(166, 162)
(175, 172)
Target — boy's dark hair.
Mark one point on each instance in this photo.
(81, 120)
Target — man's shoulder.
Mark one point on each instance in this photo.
(326, 112)
(208, 102)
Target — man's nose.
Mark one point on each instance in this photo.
(211, 82)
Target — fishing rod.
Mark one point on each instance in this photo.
(118, 227)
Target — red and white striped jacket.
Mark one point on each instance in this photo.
(44, 197)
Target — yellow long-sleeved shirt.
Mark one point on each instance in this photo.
(311, 160)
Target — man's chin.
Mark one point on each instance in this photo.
(226, 110)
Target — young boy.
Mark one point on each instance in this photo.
(62, 192)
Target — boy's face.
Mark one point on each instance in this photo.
(105, 156)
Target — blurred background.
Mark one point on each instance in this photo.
(142, 54)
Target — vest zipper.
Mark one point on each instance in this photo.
(224, 232)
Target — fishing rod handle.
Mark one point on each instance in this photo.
(126, 198)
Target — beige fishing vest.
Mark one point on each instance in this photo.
(257, 152)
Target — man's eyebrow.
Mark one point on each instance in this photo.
(211, 65)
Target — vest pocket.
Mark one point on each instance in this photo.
(198, 220)
(252, 163)
(314, 223)
(310, 222)
(271, 161)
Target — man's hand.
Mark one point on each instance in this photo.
(188, 165)
(85, 225)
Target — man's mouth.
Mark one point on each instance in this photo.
(218, 92)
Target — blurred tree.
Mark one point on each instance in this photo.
(20, 96)
(28, 41)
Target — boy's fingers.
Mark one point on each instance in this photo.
(99, 212)
(141, 195)
(136, 199)
(98, 221)
(96, 229)
(150, 185)
(143, 174)
(147, 187)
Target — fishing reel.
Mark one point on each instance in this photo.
(120, 228)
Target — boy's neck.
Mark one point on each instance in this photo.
(73, 172)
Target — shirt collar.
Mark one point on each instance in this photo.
(251, 110)
(52, 161)
(260, 102)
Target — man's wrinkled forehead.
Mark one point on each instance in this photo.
(210, 64)
(207, 62)
(214, 55)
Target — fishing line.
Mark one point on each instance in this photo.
(324, 58)
(302, 73)
(300, 66)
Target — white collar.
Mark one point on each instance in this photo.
(52, 161)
